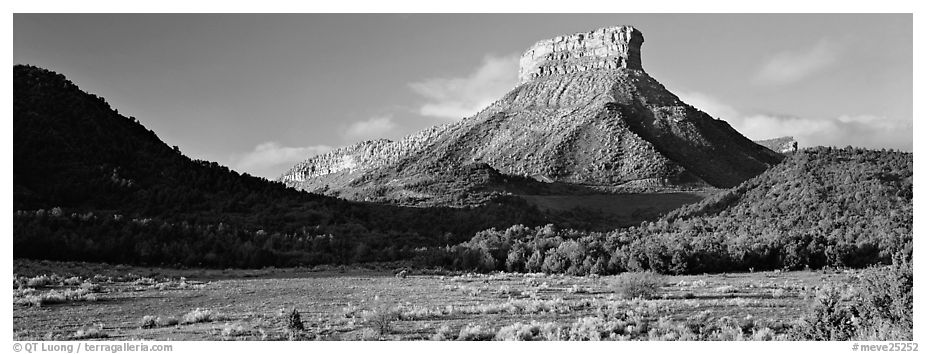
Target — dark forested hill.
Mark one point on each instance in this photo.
(820, 207)
(91, 184)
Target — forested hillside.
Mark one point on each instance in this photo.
(821, 207)
(91, 184)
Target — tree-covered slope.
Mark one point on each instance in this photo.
(74, 153)
(820, 207)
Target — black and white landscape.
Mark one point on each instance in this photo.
(585, 201)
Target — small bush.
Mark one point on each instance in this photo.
(234, 330)
(639, 285)
(763, 334)
(90, 332)
(199, 315)
(588, 329)
(149, 322)
(443, 333)
(294, 321)
(91, 287)
(369, 334)
(167, 321)
(519, 332)
(40, 281)
(473, 333)
(380, 316)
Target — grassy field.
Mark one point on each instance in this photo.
(129, 303)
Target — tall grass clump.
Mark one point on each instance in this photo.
(643, 285)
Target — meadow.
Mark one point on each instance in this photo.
(61, 301)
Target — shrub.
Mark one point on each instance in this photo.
(148, 322)
(40, 281)
(294, 321)
(380, 316)
(90, 332)
(830, 318)
(234, 330)
(443, 333)
(588, 329)
(471, 333)
(91, 287)
(71, 281)
(763, 334)
(880, 308)
(368, 334)
(199, 315)
(639, 285)
(166, 321)
(518, 332)
(885, 302)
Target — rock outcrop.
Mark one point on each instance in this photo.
(606, 48)
(783, 144)
(584, 113)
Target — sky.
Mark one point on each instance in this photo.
(261, 92)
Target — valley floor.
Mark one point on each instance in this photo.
(358, 304)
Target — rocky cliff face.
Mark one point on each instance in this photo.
(584, 113)
(606, 48)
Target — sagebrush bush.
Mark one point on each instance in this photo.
(199, 315)
(639, 284)
(90, 332)
(380, 316)
(167, 321)
(234, 330)
(477, 332)
(443, 333)
(518, 332)
(148, 322)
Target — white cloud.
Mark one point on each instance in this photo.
(708, 104)
(793, 66)
(373, 128)
(457, 97)
(856, 130)
(270, 159)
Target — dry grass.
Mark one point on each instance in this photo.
(506, 307)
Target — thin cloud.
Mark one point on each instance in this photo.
(793, 66)
(270, 159)
(454, 98)
(857, 130)
(375, 127)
